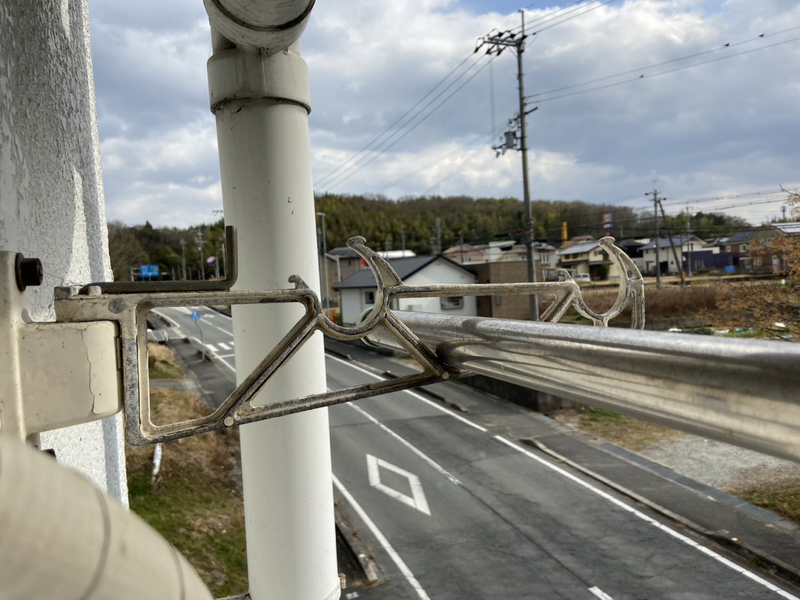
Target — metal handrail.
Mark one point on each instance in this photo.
(743, 392)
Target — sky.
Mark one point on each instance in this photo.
(721, 135)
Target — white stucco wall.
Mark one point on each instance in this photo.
(51, 194)
(353, 303)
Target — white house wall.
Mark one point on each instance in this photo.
(51, 194)
(435, 273)
(352, 304)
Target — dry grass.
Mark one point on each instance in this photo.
(161, 362)
(666, 302)
(782, 497)
(627, 432)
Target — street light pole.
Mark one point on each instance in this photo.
(325, 265)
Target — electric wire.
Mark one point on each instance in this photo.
(660, 64)
(681, 68)
(396, 121)
(464, 163)
(375, 154)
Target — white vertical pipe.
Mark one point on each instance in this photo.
(261, 104)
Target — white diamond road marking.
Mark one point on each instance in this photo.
(416, 500)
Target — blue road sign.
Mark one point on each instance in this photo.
(148, 271)
(196, 316)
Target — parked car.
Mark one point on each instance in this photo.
(583, 277)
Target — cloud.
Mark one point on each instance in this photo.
(706, 130)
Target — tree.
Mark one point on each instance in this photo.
(125, 250)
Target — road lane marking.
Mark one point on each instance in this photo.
(600, 593)
(212, 348)
(647, 519)
(414, 394)
(401, 565)
(436, 466)
(225, 331)
(223, 345)
(182, 309)
(417, 498)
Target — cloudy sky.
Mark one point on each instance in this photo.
(719, 135)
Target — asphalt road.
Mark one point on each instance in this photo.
(461, 512)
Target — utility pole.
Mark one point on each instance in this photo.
(202, 260)
(325, 264)
(688, 245)
(223, 257)
(497, 43)
(403, 238)
(654, 194)
(183, 257)
(438, 235)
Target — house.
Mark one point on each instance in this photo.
(766, 255)
(587, 257)
(357, 292)
(633, 248)
(683, 244)
(340, 263)
(465, 253)
(735, 251)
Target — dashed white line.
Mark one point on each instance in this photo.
(415, 395)
(225, 355)
(382, 540)
(600, 593)
(223, 345)
(212, 348)
(436, 466)
(637, 513)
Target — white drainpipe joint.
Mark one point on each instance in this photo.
(235, 75)
(271, 25)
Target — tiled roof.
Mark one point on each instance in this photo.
(404, 267)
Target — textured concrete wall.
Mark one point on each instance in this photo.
(51, 194)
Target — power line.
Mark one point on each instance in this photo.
(375, 153)
(639, 78)
(330, 174)
(660, 64)
(573, 17)
(463, 164)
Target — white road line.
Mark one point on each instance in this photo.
(417, 498)
(382, 540)
(182, 309)
(212, 348)
(637, 513)
(415, 395)
(225, 331)
(224, 355)
(223, 345)
(600, 593)
(436, 466)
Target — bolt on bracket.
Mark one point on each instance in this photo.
(127, 305)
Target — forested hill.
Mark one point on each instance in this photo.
(480, 220)
(382, 222)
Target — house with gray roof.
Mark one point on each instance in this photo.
(358, 291)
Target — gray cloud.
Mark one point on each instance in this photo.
(713, 129)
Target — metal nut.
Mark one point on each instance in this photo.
(29, 272)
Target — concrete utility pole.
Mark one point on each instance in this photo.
(202, 259)
(654, 194)
(183, 258)
(688, 245)
(438, 235)
(497, 43)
